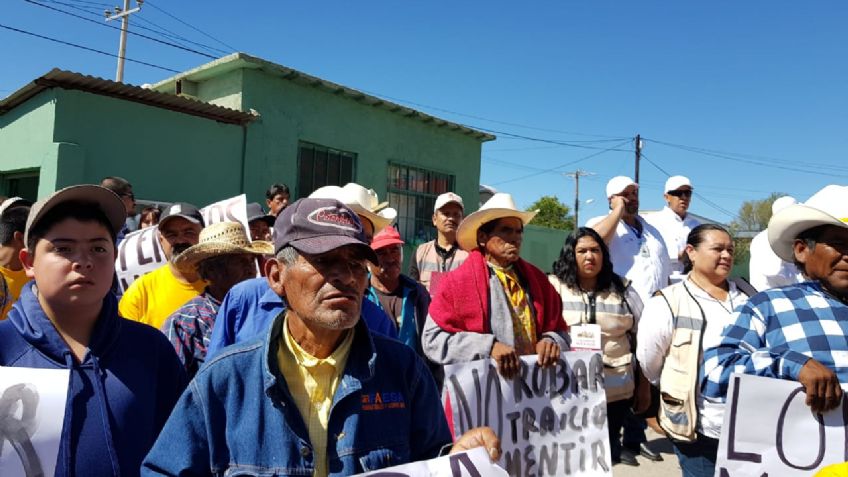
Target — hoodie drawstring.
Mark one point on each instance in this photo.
(100, 392)
(69, 411)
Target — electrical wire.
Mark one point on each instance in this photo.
(93, 50)
(232, 49)
(174, 45)
(554, 169)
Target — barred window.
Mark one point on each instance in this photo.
(413, 191)
(318, 166)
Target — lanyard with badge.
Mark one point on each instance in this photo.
(643, 241)
(587, 334)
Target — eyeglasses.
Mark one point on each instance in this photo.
(130, 195)
(680, 193)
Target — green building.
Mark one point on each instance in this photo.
(237, 124)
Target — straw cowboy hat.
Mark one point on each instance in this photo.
(222, 238)
(362, 201)
(828, 206)
(499, 206)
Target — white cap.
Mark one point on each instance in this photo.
(447, 198)
(13, 202)
(782, 203)
(617, 184)
(676, 182)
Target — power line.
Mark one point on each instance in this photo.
(116, 28)
(85, 48)
(190, 26)
(543, 140)
(434, 108)
(700, 197)
(761, 163)
(162, 31)
(554, 169)
(97, 4)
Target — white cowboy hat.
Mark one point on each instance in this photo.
(361, 200)
(222, 238)
(499, 206)
(828, 206)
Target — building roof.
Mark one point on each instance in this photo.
(244, 61)
(76, 81)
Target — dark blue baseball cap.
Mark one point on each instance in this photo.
(316, 226)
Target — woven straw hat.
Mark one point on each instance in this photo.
(222, 238)
(499, 206)
(828, 206)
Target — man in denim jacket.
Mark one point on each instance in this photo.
(318, 395)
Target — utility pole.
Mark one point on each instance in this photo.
(638, 156)
(124, 15)
(576, 175)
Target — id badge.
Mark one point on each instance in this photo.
(643, 249)
(586, 337)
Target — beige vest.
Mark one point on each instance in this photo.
(429, 261)
(616, 322)
(678, 411)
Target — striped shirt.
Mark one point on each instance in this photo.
(189, 329)
(775, 333)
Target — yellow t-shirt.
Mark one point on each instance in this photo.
(153, 297)
(15, 280)
(835, 470)
(312, 383)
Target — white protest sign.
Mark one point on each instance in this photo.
(474, 463)
(32, 411)
(233, 209)
(551, 421)
(140, 252)
(768, 430)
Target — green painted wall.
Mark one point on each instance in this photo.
(541, 245)
(291, 113)
(26, 139)
(166, 155)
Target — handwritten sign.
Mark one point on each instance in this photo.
(32, 410)
(768, 430)
(551, 421)
(473, 463)
(140, 252)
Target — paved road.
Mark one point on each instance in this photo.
(667, 468)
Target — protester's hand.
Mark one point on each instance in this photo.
(479, 437)
(642, 396)
(506, 358)
(617, 202)
(821, 386)
(548, 352)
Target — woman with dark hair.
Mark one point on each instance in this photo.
(602, 312)
(149, 217)
(686, 318)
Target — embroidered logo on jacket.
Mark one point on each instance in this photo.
(382, 400)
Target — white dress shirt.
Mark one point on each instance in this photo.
(766, 269)
(643, 259)
(674, 231)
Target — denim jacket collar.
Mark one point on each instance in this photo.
(359, 367)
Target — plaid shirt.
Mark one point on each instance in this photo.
(190, 328)
(775, 333)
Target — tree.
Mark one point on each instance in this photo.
(552, 213)
(754, 215)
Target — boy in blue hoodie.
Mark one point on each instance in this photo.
(124, 376)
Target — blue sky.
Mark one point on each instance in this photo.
(755, 91)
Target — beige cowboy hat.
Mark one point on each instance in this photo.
(222, 238)
(499, 206)
(361, 200)
(828, 206)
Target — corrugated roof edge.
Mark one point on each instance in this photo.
(225, 64)
(57, 78)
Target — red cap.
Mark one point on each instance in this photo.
(387, 236)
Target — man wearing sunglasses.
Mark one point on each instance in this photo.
(124, 190)
(674, 222)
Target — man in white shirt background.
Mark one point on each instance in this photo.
(674, 221)
(766, 269)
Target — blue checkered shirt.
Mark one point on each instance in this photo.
(775, 333)
(190, 328)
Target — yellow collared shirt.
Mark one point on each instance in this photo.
(312, 382)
